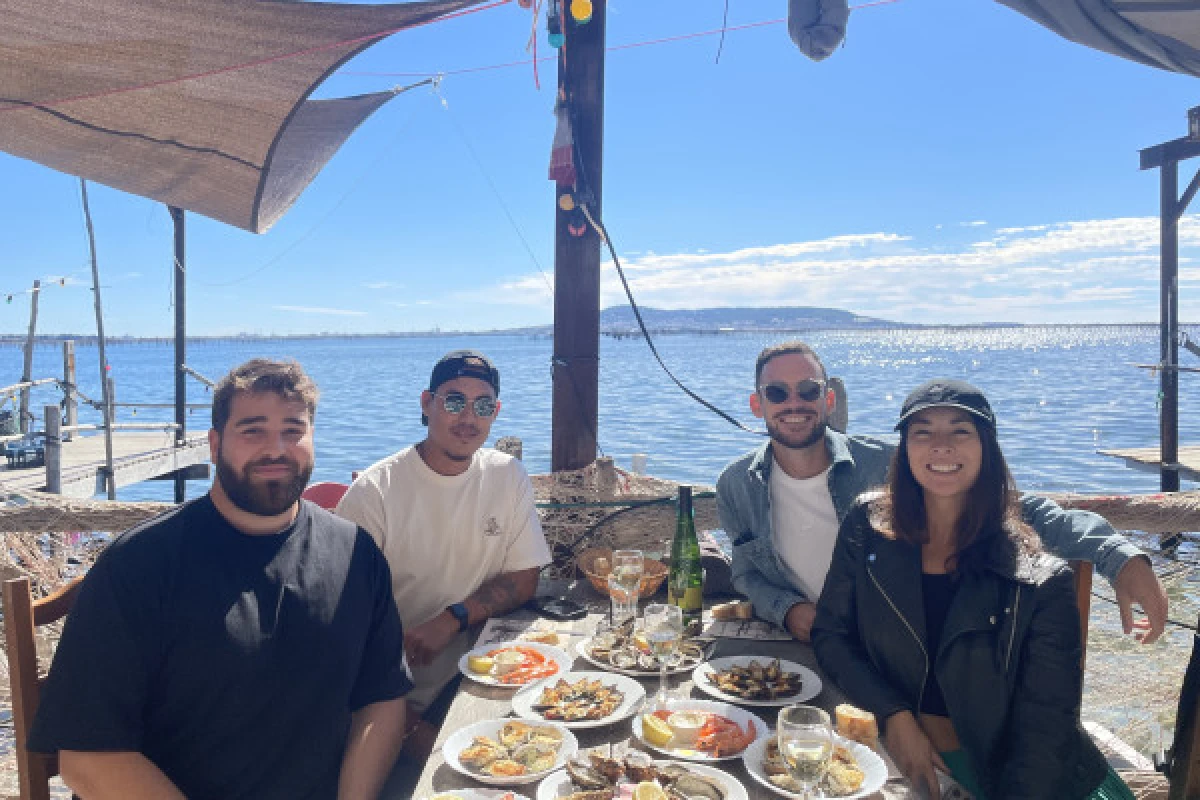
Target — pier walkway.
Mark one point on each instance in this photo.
(137, 456)
(1147, 459)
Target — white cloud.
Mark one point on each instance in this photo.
(335, 312)
(975, 223)
(378, 285)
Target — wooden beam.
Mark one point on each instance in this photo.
(1175, 151)
(195, 472)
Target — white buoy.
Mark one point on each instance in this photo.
(637, 463)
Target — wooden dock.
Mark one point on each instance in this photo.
(1147, 459)
(137, 456)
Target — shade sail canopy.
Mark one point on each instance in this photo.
(1160, 33)
(200, 104)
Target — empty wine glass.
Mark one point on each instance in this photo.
(806, 745)
(663, 625)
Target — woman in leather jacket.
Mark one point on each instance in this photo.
(941, 615)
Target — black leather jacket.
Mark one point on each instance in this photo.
(1008, 663)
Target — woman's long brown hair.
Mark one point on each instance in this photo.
(992, 509)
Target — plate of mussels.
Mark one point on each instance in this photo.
(580, 699)
(595, 777)
(625, 650)
(757, 681)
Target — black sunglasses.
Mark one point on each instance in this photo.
(484, 406)
(807, 390)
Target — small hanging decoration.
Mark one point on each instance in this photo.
(554, 26)
(9, 299)
(581, 11)
(562, 150)
(62, 281)
(525, 3)
(566, 202)
(577, 224)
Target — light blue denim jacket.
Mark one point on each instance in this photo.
(860, 463)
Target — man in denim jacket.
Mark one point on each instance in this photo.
(783, 522)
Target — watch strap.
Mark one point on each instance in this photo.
(459, 612)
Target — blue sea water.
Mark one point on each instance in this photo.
(1060, 393)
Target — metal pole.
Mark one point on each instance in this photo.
(53, 449)
(180, 273)
(1169, 300)
(105, 381)
(69, 393)
(27, 375)
(576, 362)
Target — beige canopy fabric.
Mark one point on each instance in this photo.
(200, 104)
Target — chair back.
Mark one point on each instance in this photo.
(1083, 598)
(326, 494)
(21, 617)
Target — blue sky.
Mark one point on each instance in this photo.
(952, 163)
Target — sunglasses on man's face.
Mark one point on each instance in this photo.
(456, 402)
(807, 390)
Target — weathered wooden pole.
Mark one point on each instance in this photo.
(27, 373)
(53, 449)
(1169, 328)
(71, 406)
(576, 361)
(105, 382)
(180, 273)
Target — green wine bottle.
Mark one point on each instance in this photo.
(685, 583)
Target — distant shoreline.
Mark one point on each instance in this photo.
(56, 340)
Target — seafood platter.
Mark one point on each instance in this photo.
(757, 681)
(477, 794)
(699, 730)
(625, 650)
(595, 777)
(513, 663)
(580, 699)
(507, 752)
(856, 771)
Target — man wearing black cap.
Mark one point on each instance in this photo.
(458, 526)
(782, 503)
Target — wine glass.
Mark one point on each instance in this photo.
(624, 584)
(663, 625)
(806, 746)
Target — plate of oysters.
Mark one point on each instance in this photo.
(509, 752)
(596, 777)
(580, 699)
(625, 650)
(855, 771)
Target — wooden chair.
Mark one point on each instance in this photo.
(21, 616)
(1083, 598)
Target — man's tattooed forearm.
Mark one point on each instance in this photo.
(498, 596)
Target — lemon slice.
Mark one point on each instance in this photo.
(480, 665)
(656, 731)
(649, 790)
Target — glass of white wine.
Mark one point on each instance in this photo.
(663, 626)
(624, 584)
(806, 745)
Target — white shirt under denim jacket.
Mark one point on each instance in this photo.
(860, 463)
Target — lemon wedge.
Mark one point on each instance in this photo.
(649, 790)
(656, 731)
(480, 665)
(641, 642)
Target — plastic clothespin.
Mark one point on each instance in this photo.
(581, 11)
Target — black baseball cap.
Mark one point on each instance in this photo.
(946, 393)
(464, 364)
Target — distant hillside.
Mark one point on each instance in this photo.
(620, 319)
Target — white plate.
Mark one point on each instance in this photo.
(555, 654)
(461, 739)
(581, 648)
(868, 761)
(477, 794)
(810, 689)
(633, 693)
(558, 784)
(739, 715)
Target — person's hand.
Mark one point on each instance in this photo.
(423, 643)
(1137, 583)
(913, 753)
(799, 620)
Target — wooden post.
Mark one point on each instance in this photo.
(27, 374)
(53, 450)
(69, 394)
(180, 273)
(105, 380)
(1169, 327)
(576, 361)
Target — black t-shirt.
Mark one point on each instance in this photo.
(937, 590)
(231, 661)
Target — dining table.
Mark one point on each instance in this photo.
(475, 702)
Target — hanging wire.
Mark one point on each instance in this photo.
(724, 26)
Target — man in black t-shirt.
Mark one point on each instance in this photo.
(244, 645)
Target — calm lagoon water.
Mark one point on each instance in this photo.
(1060, 393)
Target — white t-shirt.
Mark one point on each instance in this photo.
(804, 527)
(445, 536)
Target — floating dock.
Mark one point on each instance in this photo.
(137, 456)
(1148, 459)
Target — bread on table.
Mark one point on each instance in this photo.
(857, 725)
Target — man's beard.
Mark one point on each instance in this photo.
(264, 499)
(817, 434)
